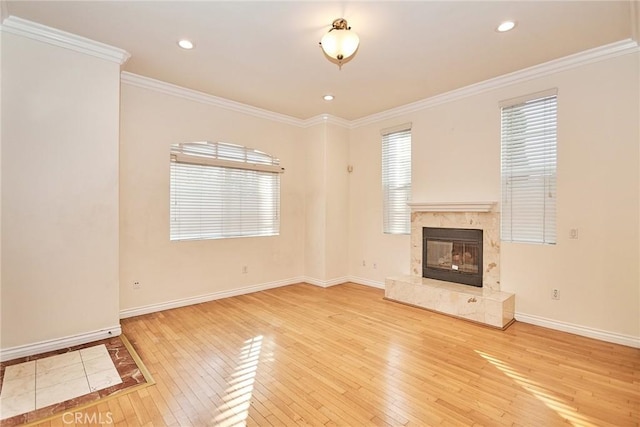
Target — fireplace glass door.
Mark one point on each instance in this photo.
(453, 255)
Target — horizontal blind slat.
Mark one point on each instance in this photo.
(212, 202)
(396, 181)
(528, 163)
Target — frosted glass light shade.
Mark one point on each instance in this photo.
(340, 44)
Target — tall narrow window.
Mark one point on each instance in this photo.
(396, 179)
(221, 190)
(528, 159)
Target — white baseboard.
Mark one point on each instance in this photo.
(325, 283)
(522, 317)
(183, 302)
(584, 331)
(58, 343)
(341, 280)
(366, 282)
(152, 308)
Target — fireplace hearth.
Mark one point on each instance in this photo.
(452, 255)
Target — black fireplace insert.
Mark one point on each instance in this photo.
(452, 255)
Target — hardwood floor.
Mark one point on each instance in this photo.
(303, 355)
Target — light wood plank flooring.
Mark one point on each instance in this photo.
(303, 355)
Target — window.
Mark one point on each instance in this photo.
(528, 159)
(221, 190)
(396, 179)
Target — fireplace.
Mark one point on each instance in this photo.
(452, 255)
(482, 302)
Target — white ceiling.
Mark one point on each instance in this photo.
(266, 53)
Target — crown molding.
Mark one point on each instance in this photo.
(204, 98)
(601, 53)
(326, 118)
(35, 31)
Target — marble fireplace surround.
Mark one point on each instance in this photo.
(486, 305)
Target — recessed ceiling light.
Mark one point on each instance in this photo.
(328, 97)
(506, 26)
(185, 44)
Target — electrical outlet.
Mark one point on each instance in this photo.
(573, 233)
(364, 263)
(245, 269)
(555, 294)
(136, 285)
(375, 265)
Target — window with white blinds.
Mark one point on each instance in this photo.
(528, 170)
(396, 180)
(221, 190)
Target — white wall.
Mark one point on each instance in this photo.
(173, 271)
(2, 6)
(327, 204)
(337, 190)
(59, 192)
(315, 203)
(635, 20)
(456, 157)
(368, 245)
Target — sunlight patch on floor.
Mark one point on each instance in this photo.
(551, 401)
(234, 410)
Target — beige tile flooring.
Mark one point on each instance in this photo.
(39, 383)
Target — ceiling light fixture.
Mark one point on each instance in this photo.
(340, 43)
(506, 26)
(328, 97)
(185, 44)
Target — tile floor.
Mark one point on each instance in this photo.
(28, 383)
(36, 384)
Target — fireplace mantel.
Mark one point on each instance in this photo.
(452, 206)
